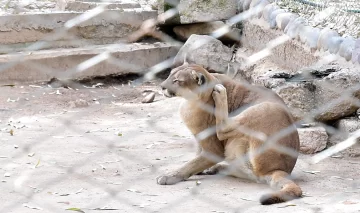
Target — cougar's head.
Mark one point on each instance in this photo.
(189, 82)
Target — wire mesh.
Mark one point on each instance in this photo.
(106, 157)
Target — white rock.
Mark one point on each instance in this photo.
(356, 52)
(292, 29)
(325, 37)
(268, 9)
(273, 15)
(334, 44)
(283, 19)
(309, 35)
(347, 47)
(261, 5)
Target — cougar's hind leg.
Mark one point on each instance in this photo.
(289, 190)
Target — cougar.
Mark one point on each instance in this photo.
(254, 135)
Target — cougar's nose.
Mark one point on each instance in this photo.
(162, 85)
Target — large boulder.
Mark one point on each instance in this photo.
(192, 11)
(325, 93)
(337, 95)
(298, 96)
(205, 51)
(183, 32)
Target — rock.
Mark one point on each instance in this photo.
(356, 52)
(332, 96)
(62, 4)
(273, 17)
(292, 29)
(149, 98)
(193, 11)
(345, 127)
(312, 140)
(283, 19)
(206, 51)
(334, 44)
(268, 9)
(347, 47)
(246, 5)
(253, 3)
(309, 35)
(348, 125)
(261, 5)
(185, 31)
(299, 97)
(79, 103)
(269, 81)
(325, 40)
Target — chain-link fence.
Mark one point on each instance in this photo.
(116, 143)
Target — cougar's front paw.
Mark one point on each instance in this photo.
(219, 92)
(168, 179)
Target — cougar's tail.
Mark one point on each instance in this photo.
(288, 189)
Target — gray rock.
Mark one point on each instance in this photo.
(312, 140)
(240, 5)
(347, 47)
(192, 11)
(269, 81)
(345, 128)
(299, 97)
(185, 31)
(337, 94)
(80, 103)
(206, 51)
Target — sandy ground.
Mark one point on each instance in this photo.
(105, 157)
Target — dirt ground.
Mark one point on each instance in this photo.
(103, 154)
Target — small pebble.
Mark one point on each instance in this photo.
(149, 98)
(79, 103)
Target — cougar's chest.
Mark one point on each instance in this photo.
(195, 118)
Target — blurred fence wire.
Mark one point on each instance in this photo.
(344, 18)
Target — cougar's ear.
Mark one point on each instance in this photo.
(200, 78)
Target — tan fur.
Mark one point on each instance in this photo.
(257, 117)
